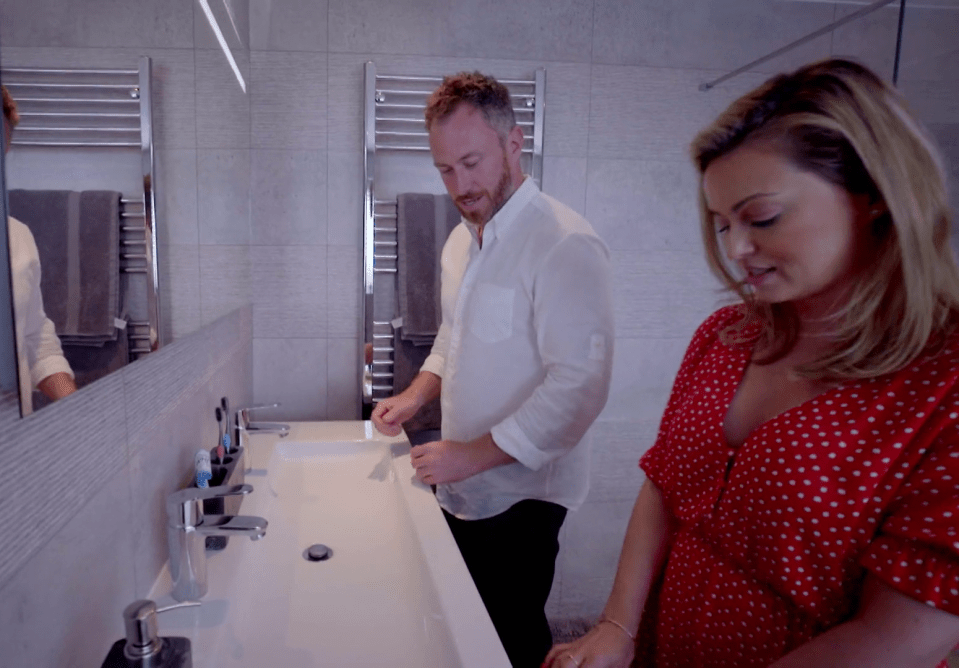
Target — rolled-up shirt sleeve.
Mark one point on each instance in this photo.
(41, 346)
(573, 320)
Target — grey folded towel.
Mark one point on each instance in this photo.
(407, 360)
(423, 222)
(78, 238)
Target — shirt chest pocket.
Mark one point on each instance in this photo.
(491, 317)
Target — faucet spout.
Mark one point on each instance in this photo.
(233, 525)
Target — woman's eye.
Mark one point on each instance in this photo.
(720, 230)
(764, 223)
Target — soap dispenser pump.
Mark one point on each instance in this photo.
(143, 648)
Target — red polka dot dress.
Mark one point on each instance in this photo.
(772, 540)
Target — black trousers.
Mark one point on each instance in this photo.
(512, 558)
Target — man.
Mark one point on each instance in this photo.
(40, 360)
(521, 362)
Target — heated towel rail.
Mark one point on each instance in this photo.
(393, 122)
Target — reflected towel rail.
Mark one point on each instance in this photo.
(103, 108)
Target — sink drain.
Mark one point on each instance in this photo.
(318, 552)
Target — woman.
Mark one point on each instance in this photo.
(801, 503)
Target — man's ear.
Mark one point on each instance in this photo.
(514, 141)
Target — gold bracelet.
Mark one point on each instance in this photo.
(622, 628)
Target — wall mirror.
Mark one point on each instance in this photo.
(84, 176)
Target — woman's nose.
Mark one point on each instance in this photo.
(739, 242)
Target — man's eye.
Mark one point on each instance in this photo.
(720, 230)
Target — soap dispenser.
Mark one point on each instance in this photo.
(142, 648)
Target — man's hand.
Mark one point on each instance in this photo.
(441, 462)
(390, 414)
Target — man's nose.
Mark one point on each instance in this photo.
(458, 183)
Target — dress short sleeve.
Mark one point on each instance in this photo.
(706, 336)
(916, 550)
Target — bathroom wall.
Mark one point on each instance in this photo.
(82, 495)
(272, 216)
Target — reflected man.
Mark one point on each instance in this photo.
(40, 359)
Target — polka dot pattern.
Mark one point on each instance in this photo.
(773, 539)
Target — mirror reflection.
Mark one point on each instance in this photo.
(41, 362)
(85, 298)
(97, 229)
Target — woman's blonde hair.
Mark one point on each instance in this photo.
(838, 120)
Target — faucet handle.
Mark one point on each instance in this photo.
(184, 508)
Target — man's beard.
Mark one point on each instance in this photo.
(497, 199)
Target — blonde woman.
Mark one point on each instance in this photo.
(801, 505)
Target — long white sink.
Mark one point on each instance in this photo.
(394, 593)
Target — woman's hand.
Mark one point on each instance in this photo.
(605, 646)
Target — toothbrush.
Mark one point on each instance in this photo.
(227, 438)
(219, 442)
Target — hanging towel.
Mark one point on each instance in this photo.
(423, 222)
(78, 238)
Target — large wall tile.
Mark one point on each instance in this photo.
(345, 198)
(289, 100)
(288, 25)
(223, 185)
(535, 29)
(343, 379)
(870, 39)
(662, 295)
(930, 50)
(88, 564)
(222, 106)
(644, 205)
(179, 290)
(105, 23)
(224, 280)
(643, 374)
(653, 114)
(176, 197)
(614, 463)
(343, 289)
(292, 372)
(288, 196)
(707, 33)
(602, 527)
(289, 291)
(565, 179)
(375, 26)
(76, 446)
(567, 111)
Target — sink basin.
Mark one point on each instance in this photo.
(394, 592)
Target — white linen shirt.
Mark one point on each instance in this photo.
(38, 348)
(524, 351)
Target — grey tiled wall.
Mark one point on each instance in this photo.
(82, 488)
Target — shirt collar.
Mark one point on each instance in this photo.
(503, 220)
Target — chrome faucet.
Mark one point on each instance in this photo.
(187, 529)
(244, 426)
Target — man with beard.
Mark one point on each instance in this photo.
(521, 362)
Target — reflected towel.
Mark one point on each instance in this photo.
(78, 238)
(423, 222)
